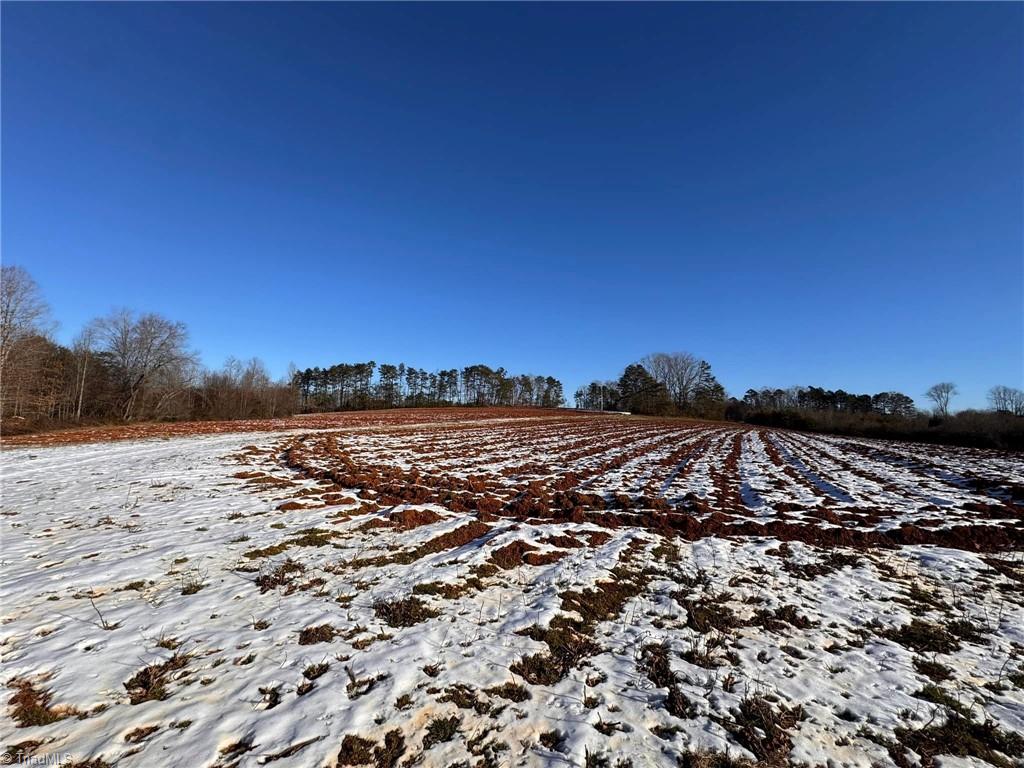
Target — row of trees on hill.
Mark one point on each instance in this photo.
(819, 399)
(124, 366)
(359, 386)
(1003, 399)
(661, 384)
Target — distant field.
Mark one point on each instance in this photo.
(496, 588)
(348, 419)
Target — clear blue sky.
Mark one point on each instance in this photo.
(802, 194)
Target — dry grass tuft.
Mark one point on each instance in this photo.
(567, 648)
(553, 740)
(509, 691)
(447, 591)
(279, 576)
(313, 671)
(138, 735)
(924, 637)
(709, 759)
(355, 750)
(31, 706)
(961, 736)
(763, 729)
(150, 682)
(440, 730)
(324, 633)
(390, 752)
(406, 612)
(466, 697)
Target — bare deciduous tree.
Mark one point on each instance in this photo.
(146, 351)
(23, 312)
(680, 372)
(121, 366)
(24, 328)
(82, 348)
(940, 394)
(1007, 399)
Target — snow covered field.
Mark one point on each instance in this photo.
(540, 591)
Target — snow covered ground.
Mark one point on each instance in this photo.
(536, 592)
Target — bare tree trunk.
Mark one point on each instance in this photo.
(81, 387)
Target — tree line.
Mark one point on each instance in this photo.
(125, 366)
(891, 415)
(681, 384)
(129, 366)
(820, 399)
(362, 386)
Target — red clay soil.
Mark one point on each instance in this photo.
(407, 519)
(344, 420)
(973, 538)
(455, 539)
(518, 552)
(511, 555)
(544, 558)
(565, 542)
(290, 506)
